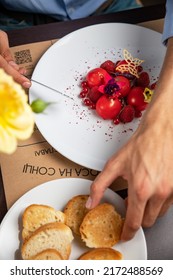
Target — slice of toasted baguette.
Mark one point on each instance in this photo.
(75, 211)
(101, 226)
(48, 254)
(56, 236)
(37, 215)
(101, 254)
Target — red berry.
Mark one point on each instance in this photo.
(82, 94)
(87, 102)
(85, 89)
(84, 84)
(138, 114)
(93, 106)
(108, 65)
(143, 80)
(108, 108)
(136, 98)
(117, 62)
(127, 114)
(97, 77)
(116, 121)
(94, 94)
(140, 68)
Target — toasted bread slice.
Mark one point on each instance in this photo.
(48, 254)
(101, 254)
(37, 215)
(75, 211)
(101, 227)
(56, 236)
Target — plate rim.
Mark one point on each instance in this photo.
(99, 25)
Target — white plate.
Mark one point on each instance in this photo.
(56, 193)
(73, 130)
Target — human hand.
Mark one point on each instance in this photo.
(8, 64)
(146, 160)
(146, 163)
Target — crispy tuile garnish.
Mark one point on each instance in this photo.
(131, 64)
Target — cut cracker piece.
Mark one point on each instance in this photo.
(37, 215)
(48, 254)
(101, 254)
(56, 236)
(101, 227)
(75, 211)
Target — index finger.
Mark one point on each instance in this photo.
(102, 182)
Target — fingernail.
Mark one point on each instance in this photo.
(88, 203)
(26, 84)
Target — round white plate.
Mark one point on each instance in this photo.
(56, 193)
(71, 128)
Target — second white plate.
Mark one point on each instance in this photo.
(56, 193)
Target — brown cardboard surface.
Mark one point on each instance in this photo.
(156, 25)
(35, 161)
(28, 55)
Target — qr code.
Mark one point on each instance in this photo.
(23, 56)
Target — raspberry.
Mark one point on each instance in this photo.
(127, 114)
(94, 94)
(143, 79)
(108, 65)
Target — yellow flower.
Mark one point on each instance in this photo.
(16, 116)
(148, 93)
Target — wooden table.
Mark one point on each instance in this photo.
(57, 30)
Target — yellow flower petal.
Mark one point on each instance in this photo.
(22, 125)
(16, 116)
(8, 142)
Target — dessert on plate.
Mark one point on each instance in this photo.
(118, 91)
